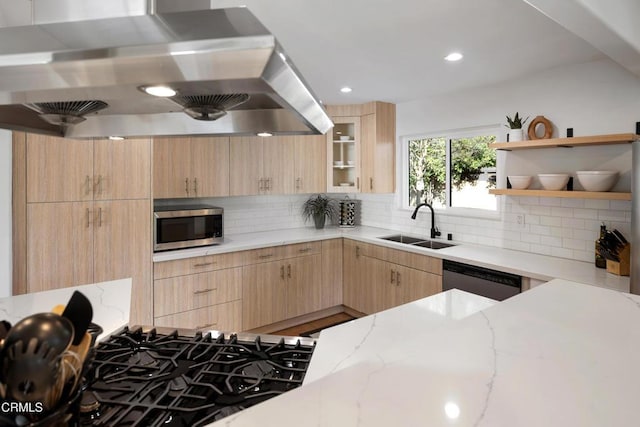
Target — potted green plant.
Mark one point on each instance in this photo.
(319, 208)
(515, 126)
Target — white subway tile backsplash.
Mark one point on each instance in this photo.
(552, 226)
(561, 211)
(585, 213)
(621, 205)
(548, 201)
(572, 203)
(551, 220)
(551, 241)
(596, 204)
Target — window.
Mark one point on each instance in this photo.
(454, 170)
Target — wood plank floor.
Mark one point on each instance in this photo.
(316, 325)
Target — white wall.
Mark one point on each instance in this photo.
(5, 213)
(598, 97)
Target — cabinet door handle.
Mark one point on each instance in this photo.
(358, 183)
(370, 183)
(87, 183)
(289, 271)
(204, 291)
(357, 251)
(186, 185)
(195, 186)
(298, 183)
(393, 276)
(398, 278)
(204, 264)
(99, 217)
(206, 326)
(97, 186)
(282, 272)
(260, 184)
(268, 183)
(265, 256)
(88, 217)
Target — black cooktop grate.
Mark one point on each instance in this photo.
(145, 378)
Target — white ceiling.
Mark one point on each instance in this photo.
(392, 50)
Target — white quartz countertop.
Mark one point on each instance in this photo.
(111, 302)
(527, 264)
(562, 354)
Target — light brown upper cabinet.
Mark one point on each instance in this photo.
(361, 148)
(190, 167)
(67, 170)
(277, 165)
(87, 215)
(310, 173)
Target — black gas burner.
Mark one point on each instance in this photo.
(148, 377)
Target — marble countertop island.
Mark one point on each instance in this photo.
(561, 354)
(110, 301)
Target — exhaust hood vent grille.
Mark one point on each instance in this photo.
(209, 107)
(67, 113)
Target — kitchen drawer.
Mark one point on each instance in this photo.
(221, 317)
(181, 267)
(413, 260)
(400, 257)
(301, 249)
(277, 253)
(182, 293)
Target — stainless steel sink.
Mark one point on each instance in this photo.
(432, 244)
(417, 241)
(401, 238)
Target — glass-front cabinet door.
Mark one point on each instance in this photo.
(343, 156)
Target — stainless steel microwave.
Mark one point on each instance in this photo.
(179, 227)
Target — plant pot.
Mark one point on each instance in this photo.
(515, 135)
(319, 219)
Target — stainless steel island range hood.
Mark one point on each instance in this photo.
(81, 67)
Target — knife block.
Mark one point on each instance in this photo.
(623, 267)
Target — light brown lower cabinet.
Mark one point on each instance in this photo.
(279, 290)
(372, 284)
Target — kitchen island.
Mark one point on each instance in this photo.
(561, 354)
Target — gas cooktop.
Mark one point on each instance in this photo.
(161, 377)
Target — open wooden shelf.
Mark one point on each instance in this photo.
(563, 194)
(579, 141)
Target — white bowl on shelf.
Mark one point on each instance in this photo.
(345, 138)
(597, 180)
(553, 181)
(338, 163)
(350, 162)
(520, 182)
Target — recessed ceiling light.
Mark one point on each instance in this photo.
(264, 134)
(116, 138)
(161, 91)
(345, 89)
(453, 56)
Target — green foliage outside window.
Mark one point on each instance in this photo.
(427, 163)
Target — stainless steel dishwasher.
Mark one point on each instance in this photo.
(482, 281)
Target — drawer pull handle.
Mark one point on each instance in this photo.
(206, 326)
(393, 276)
(398, 279)
(204, 264)
(305, 250)
(282, 272)
(289, 271)
(265, 256)
(204, 291)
